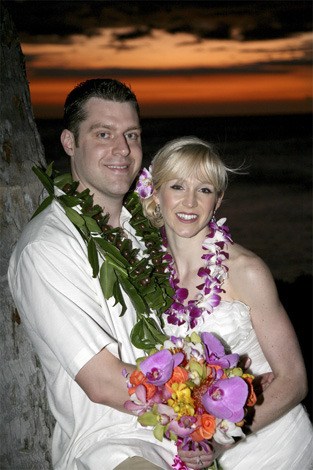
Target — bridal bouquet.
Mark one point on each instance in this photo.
(190, 391)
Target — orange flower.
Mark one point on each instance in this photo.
(138, 378)
(251, 400)
(180, 375)
(206, 428)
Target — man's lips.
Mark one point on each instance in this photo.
(117, 167)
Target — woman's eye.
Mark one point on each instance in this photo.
(176, 186)
(206, 190)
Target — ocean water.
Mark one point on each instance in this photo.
(268, 207)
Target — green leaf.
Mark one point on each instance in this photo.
(107, 279)
(49, 169)
(137, 301)
(92, 224)
(154, 329)
(173, 436)
(158, 431)
(148, 419)
(45, 203)
(119, 297)
(44, 178)
(61, 180)
(93, 257)
(137, 336)
(139, 339)
(69, 201)
(116, 265)
(112, 250)
(195, 338)
(74, 217)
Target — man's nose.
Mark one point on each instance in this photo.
(121, 146)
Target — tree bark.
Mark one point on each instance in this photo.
(26, 422)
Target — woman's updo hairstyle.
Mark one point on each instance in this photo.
(179, 159)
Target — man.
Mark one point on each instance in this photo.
(81, 339)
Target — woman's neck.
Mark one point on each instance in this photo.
(186, 253)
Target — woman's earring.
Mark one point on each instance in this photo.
(213, 219)
(157, 210)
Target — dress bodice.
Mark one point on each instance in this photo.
(231, 323)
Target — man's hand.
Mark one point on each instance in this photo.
(262, 381)
(197, 459)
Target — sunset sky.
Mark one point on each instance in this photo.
(180, 58)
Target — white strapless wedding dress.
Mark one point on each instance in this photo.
(286, 444)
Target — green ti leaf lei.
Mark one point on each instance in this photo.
(143, 279)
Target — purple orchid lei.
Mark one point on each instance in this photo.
(213, 274)
(144, 186)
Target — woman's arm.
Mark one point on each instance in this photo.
(256, 288)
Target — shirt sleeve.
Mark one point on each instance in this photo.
(56, 294)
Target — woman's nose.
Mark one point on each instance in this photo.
(190, 199)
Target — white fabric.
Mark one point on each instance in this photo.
(286, 444)
(69, 321)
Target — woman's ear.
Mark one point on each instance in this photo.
(68, 142)
(155, 196)
(219, 202)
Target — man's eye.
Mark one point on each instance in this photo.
(132, 136)
(103, 135)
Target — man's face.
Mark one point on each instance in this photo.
(108, 156)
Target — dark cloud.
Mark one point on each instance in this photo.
(266, 68)
(55, 21)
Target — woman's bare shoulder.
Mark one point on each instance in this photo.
(246, 264)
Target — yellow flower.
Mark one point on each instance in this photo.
(181, 401)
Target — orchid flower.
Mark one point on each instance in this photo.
(183, 427)
(226, 399)
(226, 431)
(144, 187)
(159, 367)
(139, 404)
(215, 352)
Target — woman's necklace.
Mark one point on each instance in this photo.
(213, 275)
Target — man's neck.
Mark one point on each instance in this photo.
(112, 207)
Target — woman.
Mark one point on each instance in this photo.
(226, 289)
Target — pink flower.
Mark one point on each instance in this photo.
(144, 187)
(215, 352)
(178, 464)
(184, 426)
(226, 399)
(159, 367)
(139, 404)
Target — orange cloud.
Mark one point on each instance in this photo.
(209, 94)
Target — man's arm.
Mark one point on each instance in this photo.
(102, 380)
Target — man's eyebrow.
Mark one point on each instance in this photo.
(101, 125)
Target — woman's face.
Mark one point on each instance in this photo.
(187, 205)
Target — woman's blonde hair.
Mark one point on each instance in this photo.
(181, 158)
